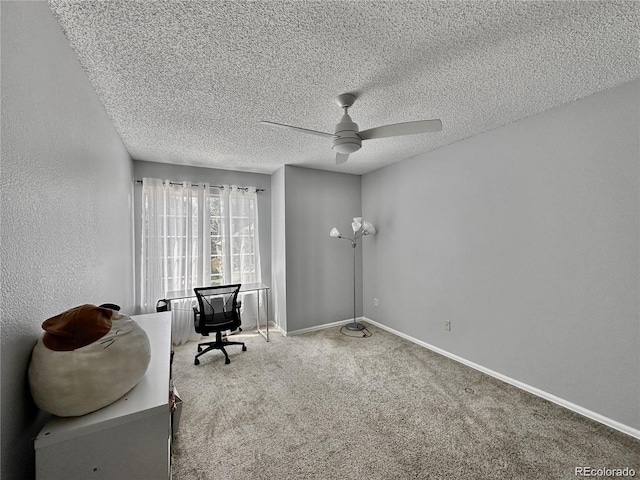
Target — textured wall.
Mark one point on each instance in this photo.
(526, 238)
(320, 268)
(66, 207)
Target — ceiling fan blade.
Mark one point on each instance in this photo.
(341, 158)
(304, 130)
(397, 129)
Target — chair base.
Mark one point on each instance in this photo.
(219, 344)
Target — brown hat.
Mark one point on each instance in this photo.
(76, 328)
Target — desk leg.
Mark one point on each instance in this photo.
(266, 300)
(265, 334)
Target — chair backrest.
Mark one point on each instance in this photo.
(218, 308)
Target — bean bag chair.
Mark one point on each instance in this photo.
(87, 358)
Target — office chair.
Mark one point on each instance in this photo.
(162, 305)
(218, 311)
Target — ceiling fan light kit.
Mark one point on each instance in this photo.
(347, 138)
(345, 135)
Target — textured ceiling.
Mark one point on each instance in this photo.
(188, 82)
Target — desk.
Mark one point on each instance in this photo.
(244, 288)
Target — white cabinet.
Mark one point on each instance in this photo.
(127, 440)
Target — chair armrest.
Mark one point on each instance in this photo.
(196, 319)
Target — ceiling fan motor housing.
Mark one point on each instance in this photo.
(346, 139)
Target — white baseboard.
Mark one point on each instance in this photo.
(634, 432)
(323, 326)
(274, 325)
(626, 429)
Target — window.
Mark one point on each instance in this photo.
(217, 270)
(193, 236)
(235, 254)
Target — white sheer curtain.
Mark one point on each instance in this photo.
(240, 239)
(241, 243)
(176, 248)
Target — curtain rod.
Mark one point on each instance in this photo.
(210, 186)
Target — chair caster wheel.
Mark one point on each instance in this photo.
(244, 348)
(196, 362)
(227, 361)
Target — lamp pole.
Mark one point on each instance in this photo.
(359, 229)
(355, 325)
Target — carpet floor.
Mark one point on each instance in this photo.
(323, 405)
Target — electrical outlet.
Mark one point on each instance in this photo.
(447, 325)
(375, 302)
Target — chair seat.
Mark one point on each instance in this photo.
(216, 327)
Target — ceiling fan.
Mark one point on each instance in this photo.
(348, 139)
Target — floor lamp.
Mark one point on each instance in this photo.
(360, 229)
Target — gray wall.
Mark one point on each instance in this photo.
(527, 239)
(319, 269)
(66, 207)
(214, 177)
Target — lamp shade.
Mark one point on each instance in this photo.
(334, 232)
(356, 226)
(368, 228)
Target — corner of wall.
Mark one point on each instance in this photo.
(278, 249)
